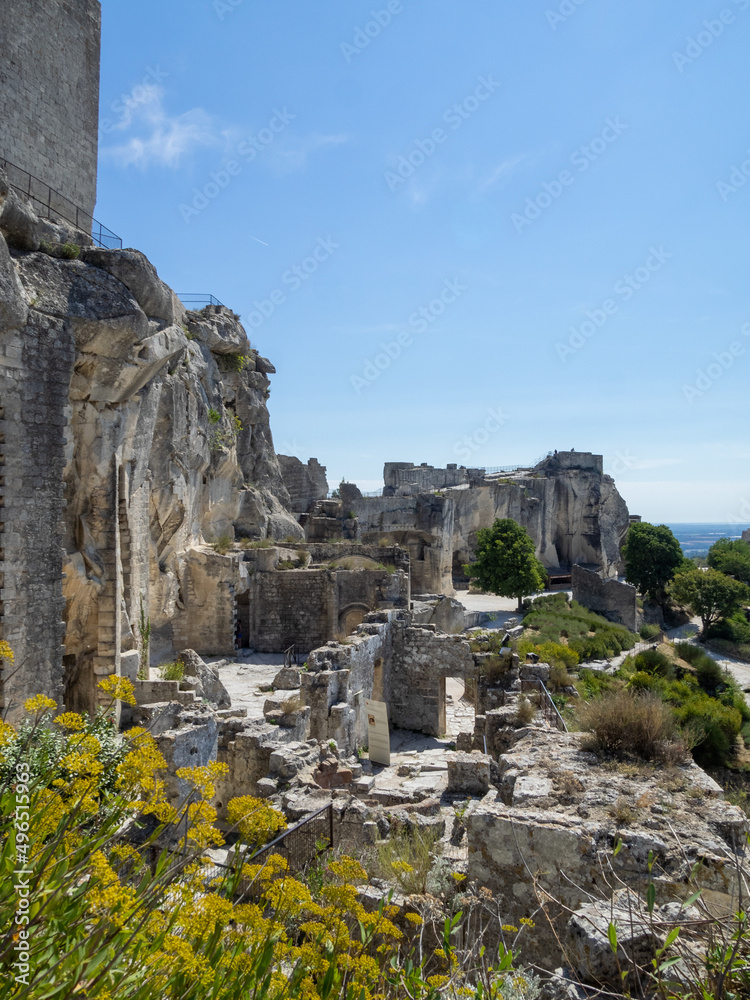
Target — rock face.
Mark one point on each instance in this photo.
(572, 511)
(569, 507)
(548, 836)
(154, 422)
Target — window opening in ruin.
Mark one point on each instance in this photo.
(377, 681)
(460, 697)
(242, 624)
(351, 617)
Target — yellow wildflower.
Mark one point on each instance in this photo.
(119, 688)
(70, 720)
(7, 733)
(510, 929)
(38, 704)
(204, 778)
(414, 918)
(6, 653)
(256, 821)
(528, 922)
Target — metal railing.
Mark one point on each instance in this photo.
(494, 469)
(300, 845)
(291, 657)
(50, 204)
(196, 301)
(546, 705)
(303, 842)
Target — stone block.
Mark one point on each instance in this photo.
(468, 773)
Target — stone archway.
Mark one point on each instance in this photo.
(351, 616)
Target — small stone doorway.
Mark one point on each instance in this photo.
(458, 697)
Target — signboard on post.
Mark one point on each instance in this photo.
(379, 738)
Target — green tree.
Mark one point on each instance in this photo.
(731, 557)
(652, 557)
(711, 595)
(506, 563)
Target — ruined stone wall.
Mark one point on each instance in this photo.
(36, 361)
(305, 483)
(403, 476)
(610, 598)
(423, 525)
(419, 670)
(49, 79)
(306, 607)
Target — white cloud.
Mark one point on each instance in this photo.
(164, 139)
(293, 153)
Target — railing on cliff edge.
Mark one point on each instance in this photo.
(50, 204)
(195, 300)
(546, 705)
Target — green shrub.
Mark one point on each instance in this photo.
(405, 859)
(648, 632)
(69, 251)
(710, 727)
(174, 671)
(710, 675)
(641, 681)
(559, 677)
(222, 544)
(651, 661)
(213, 416)
(734, 629)
(689, 652)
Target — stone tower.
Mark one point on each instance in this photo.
(49, 82)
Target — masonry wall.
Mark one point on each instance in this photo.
(610, 598)
(49, 79)
(417, 677)
(35, 369)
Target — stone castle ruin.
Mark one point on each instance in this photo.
(146, 516)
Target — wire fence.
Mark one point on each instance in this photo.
(300, 845)
(50, 204)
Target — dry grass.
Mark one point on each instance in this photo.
(525, 711)
(291, 704)
(625, 726)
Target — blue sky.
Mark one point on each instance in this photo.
(463, 230)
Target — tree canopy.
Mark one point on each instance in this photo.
(731, 556)
(711, 595)
(652, 557)
(506, 563)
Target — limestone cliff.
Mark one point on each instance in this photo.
(154, 422)
(571, 509)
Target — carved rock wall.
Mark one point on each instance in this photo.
(167, 448)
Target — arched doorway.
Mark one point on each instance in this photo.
(352, 616)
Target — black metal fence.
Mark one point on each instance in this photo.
(194, 300)
(50, 204)
(300, 845)
(291, 657)
(546, 705)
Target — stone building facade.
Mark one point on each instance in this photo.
(49, 79)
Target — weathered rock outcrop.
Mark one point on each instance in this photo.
(155, 421)
(570, 508)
